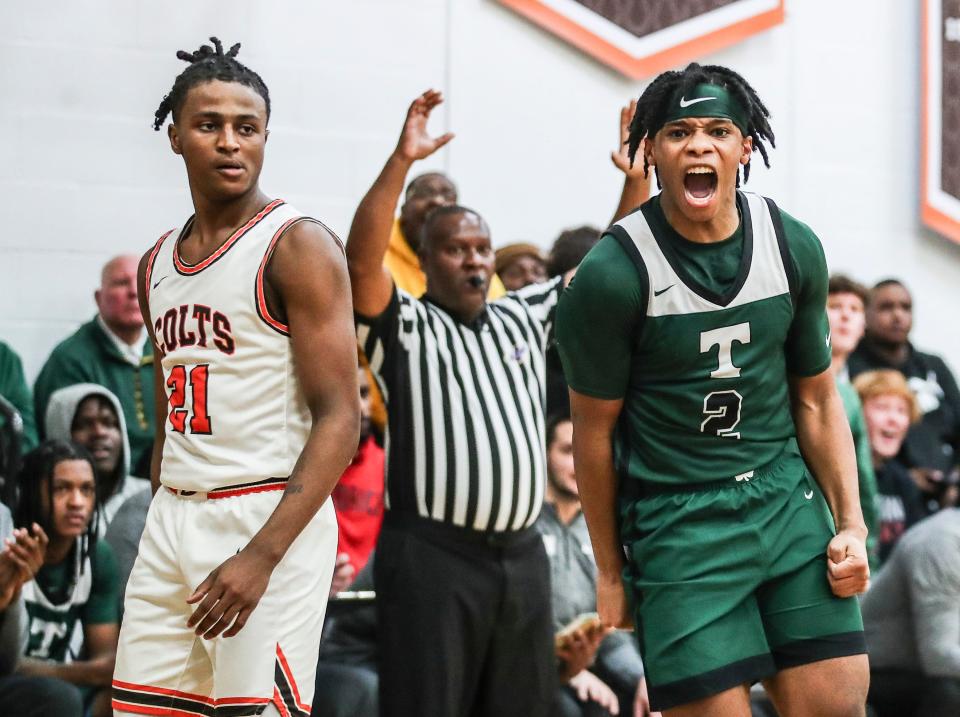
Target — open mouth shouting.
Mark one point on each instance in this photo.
(700, 185)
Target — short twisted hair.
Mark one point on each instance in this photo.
(206, 65)
(656, 99)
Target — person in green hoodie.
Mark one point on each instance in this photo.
(14, 388)
(111, 350)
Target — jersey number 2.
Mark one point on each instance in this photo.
(177, 382)
(722, 411)
(722, 408)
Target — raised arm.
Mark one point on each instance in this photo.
(370, 231)
(307, 275)
(636, 186)
(827, 447)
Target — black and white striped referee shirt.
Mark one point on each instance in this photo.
(465, 406)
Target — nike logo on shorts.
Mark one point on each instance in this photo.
(684, 102)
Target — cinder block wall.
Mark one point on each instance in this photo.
(84, 177)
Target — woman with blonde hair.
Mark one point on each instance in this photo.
(890, 408)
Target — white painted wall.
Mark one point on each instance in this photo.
(83, 177)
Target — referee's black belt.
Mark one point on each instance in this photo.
(441, 532)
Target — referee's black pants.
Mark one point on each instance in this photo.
(465, 626)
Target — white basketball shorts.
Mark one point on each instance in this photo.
(164, 668)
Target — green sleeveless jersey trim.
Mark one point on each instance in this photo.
(63, 598)
(705, 382)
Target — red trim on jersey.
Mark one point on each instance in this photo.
(261, 298)
(151, 260)
(189, 269)
(150, 709)
(213, 495)
(163, 691)
(145, 710)
(288, 673)
(231, 491)
(278, 702)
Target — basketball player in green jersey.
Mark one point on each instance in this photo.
(715, 464)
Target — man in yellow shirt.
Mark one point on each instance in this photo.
(424, 193)
(430, 190)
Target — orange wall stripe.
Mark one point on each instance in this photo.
(640, 67)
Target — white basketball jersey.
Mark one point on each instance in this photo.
(236, 414)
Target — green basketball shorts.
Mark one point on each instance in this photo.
(729, 583)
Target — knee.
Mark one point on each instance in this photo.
(56, 697)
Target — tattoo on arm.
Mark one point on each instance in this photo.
(293, 488)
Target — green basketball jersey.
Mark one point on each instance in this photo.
(705, 394)
(62, 598)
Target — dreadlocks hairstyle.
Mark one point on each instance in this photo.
(654, 102)
(208, 64)
(38, 468)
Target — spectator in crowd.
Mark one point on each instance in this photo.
(570, 247)
(567, 252)
(358, 496)
(458, 555)
(346, 682)
(91, 416)
(72, 601)
(613, 682)
(912, 623)
(123, 537)
(519, 265)
(14, 388)
(931, 448)
(111, 350)
(20, 559)
(846, 305)
(402, 259)
(889, 408)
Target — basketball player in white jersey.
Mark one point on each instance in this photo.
(249, 309)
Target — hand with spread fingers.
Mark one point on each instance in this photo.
(620, 156)
(229, 595)
(848, 571)
(415, 142)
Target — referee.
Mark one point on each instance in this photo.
(462, 578)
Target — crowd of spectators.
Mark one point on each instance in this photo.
(74, 453)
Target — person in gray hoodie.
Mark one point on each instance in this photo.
(90, 415)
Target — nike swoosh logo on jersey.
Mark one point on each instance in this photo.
(657, 293)
(684, 102)
(808, 494)
(159, 280)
